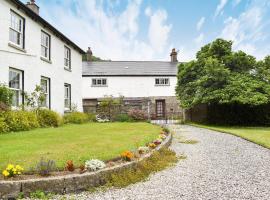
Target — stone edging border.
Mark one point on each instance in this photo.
(68, 183)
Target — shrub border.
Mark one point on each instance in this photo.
(69, 183)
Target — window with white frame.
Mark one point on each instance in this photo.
(67, 96)
(162, 81)
(99, 82)
(45, 45)
(15, 84)
(67, 58)
(16, 29)
(45, 88)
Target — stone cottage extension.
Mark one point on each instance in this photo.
(147, 85)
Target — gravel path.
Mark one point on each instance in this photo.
(220, 166)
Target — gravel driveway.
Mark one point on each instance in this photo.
(220, 166)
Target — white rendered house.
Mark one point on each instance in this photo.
(33, 52)
(148, 85)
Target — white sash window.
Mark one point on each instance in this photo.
(16, 29)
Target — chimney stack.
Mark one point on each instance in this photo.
(33, 6)
(89, 55)
(174, 55)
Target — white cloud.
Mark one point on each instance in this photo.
(220, 7)
(236, 2)
(200, 23)
(158, 30)
(148, 11)
(112, 34)
(247, 30)
(198, 40)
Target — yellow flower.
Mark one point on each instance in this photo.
(12, 170)
(5, 173)
(152, 145)
(10, 167)
(19, 168)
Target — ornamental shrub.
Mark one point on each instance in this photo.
(3, 126)
(94, 165)
(49, 118)
(12, 170)
(70, 166)
(123, 118)
(5, 95)
(137, 115)
(4, 107)
(20, 120)
(92, 117)
(45, 167)
(127, 155)
(143, 150)
(76, 118)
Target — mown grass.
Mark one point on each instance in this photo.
(74, 142)
(258, 135)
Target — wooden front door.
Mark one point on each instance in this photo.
(160, 109)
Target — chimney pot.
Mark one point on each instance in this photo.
(89, 55)
(174, 55)
(33, 6)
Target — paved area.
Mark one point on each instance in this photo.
(220, 166)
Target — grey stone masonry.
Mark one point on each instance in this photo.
(147, 104)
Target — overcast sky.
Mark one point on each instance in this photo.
(148, 29)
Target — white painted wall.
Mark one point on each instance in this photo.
(128, 87)
(33, 66)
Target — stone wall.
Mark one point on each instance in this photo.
(147, 104)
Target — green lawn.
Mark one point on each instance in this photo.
(258, 135)
(74, 142)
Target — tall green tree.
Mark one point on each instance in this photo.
(221, 76)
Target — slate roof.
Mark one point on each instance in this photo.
(130, 68)
(46, 24)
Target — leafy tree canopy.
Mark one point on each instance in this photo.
(219, 75)
(94, 58)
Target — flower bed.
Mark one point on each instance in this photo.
(92, 174)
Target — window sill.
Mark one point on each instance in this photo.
(67, 69)
(16, 47)
(67, 110)
(162, 85)
(99, 85)
(45, 60)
